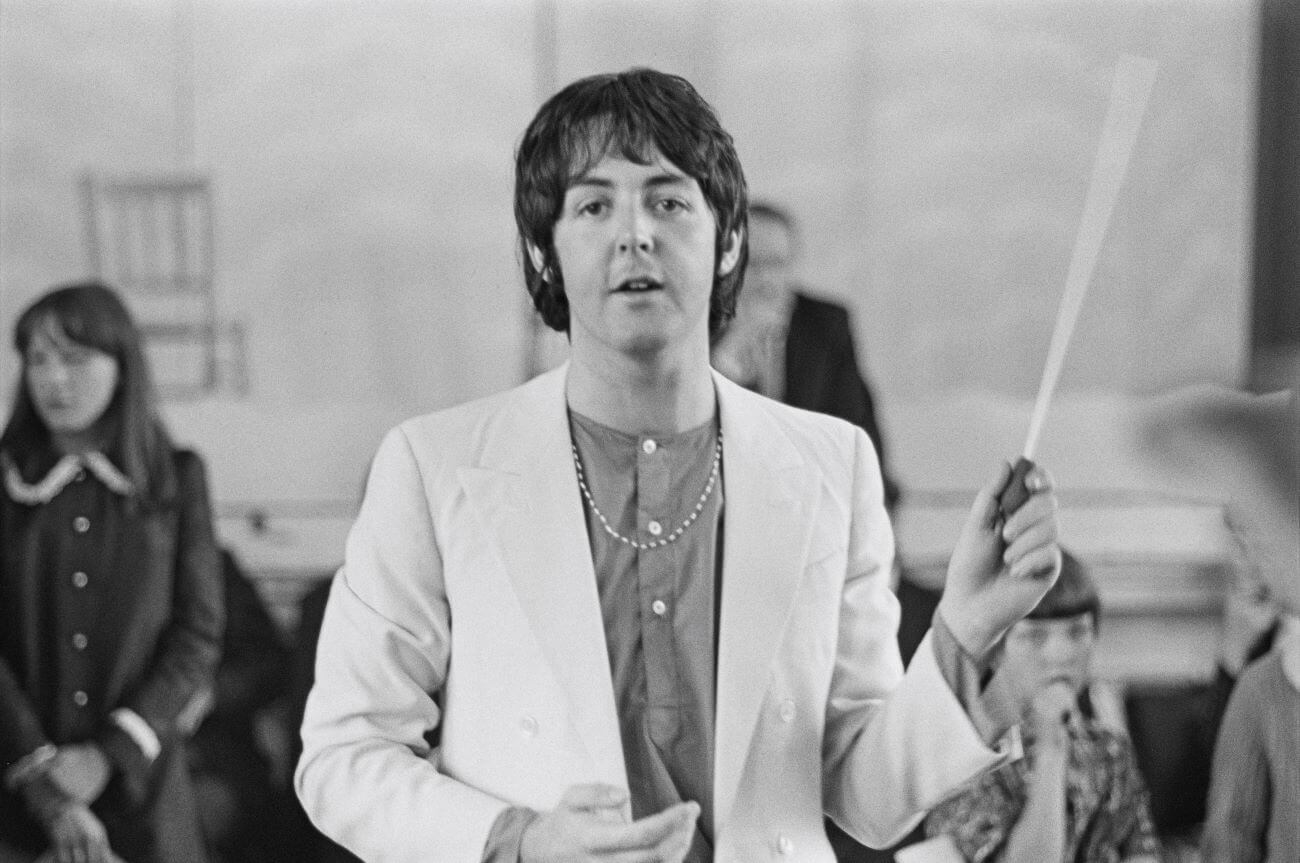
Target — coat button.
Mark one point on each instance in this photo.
(80, 580)
(528, 725)
(81, 524)
(787, 710)
(783, 844)
(79, 641)
(648, 446)
(655, 528)
(80, 698)
(659, 607)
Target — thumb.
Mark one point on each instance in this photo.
(593, 796)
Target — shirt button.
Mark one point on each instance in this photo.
(659, 607)
(528, 725)
(80, 580)
(783, 844)
(79, 641)
(80, 698)
(655, 528)
(81, 524)
(648, 446)
(787, 711)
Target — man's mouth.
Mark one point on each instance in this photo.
(639, 285)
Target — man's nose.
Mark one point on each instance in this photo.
(636, 231)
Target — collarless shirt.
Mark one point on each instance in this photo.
(659, 605)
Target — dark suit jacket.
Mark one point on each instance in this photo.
(147, 597)
(821, 372)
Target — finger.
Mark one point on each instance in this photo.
(984, 511)
(675, 847)
(1039, 479)
(1043, 562)
(1041, 506)
(648, 832)
(99, 850)
(1039, 535)
(593, 797)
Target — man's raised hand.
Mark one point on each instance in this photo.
(1000, 570)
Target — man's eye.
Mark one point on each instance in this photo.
(671, 205)
(592, 208)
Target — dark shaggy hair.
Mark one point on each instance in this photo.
(1074, 593)
(632, 114)
(91, 314)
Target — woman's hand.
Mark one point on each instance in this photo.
(81, 771)
(78, 836)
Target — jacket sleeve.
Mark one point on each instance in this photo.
(368, 777)
(896, 744)
(190, 644)
(20, 727)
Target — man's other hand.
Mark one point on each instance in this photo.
(999, 571)
(588, 825)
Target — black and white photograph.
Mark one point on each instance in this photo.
(649, 431)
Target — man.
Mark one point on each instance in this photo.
(652, 605)
(790, 345)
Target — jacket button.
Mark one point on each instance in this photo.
(80, 698)
(81, 524)
(79, 641)
(787, 710)
(80, 580)
(528, 725)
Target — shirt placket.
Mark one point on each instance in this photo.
(657, 578)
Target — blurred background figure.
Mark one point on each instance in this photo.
(240, 749)
(1249, 448)
(1245, 450)
(791, 346)
(1076, 795)
(110, 595)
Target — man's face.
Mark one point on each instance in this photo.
(770, 271)
(635, 245)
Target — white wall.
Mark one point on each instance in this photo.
(937, 153)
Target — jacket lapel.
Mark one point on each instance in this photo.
(526, 493)
(770, 495)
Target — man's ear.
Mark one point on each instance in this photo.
(730, 253)
(538, 257)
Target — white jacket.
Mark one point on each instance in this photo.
(469, 571)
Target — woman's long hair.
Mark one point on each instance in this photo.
(92, 314)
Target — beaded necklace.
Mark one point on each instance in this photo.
(676, 534)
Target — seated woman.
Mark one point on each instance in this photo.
(1076, 795)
